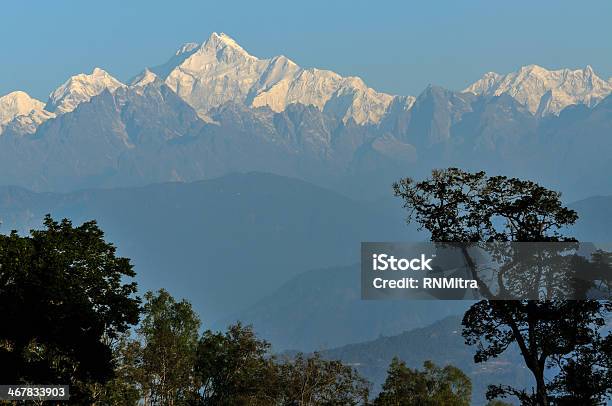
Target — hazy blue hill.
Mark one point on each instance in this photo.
(440, 342)
(323, 309)
(595, 219)
(223, 243)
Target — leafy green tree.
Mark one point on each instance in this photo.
(63, 301)
(432, 386)
(233, 368)
(315, 381)
(123, 389)
(163, 357)
(458, 206)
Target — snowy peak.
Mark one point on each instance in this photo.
(221, 42)
(145, 78)
(220, 71)
(545, 91)
(22, 113)
(187, 48)
(17, 104)
(81, 88)
(484, 85)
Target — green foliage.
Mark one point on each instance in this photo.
(430, 387)
(165, 351)
(454, 206)
(315, 381)
(233, 368)
(63, 303)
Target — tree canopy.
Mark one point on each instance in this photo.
(431, 386)
(63, 300)
(459, 206)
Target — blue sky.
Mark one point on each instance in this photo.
(395, 46)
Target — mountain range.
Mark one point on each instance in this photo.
(214, 109)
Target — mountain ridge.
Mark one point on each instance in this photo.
(218, 70)
(215, 109)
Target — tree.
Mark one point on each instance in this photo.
(233, 368)
(585, 379)
(315, 381)
(161, 360)
(458, 206)
(63, 302)
(123, 389)
(430, 387)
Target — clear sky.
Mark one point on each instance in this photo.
(395, 46)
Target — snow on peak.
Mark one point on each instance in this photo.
(81, 88)
(145, 78)
(219, 41)
(25, 112)
(221, 71)
(17, 103)
(545, 91)
(186, 48)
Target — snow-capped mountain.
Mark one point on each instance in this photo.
(26, 111)
(143, 79)
(17, 104)
(220, 70)
(545, 91)
(81, 88)
(214, 109)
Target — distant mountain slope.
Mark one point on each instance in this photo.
(440, 342)
(223, 243)
(322, 309)
(595, 219)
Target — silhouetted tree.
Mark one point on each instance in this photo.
(458, 206)
(63, 302)
(585, 379)
(429, 387)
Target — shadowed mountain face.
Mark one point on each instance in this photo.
(145, 134)
(223, 243)
(441, 343)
